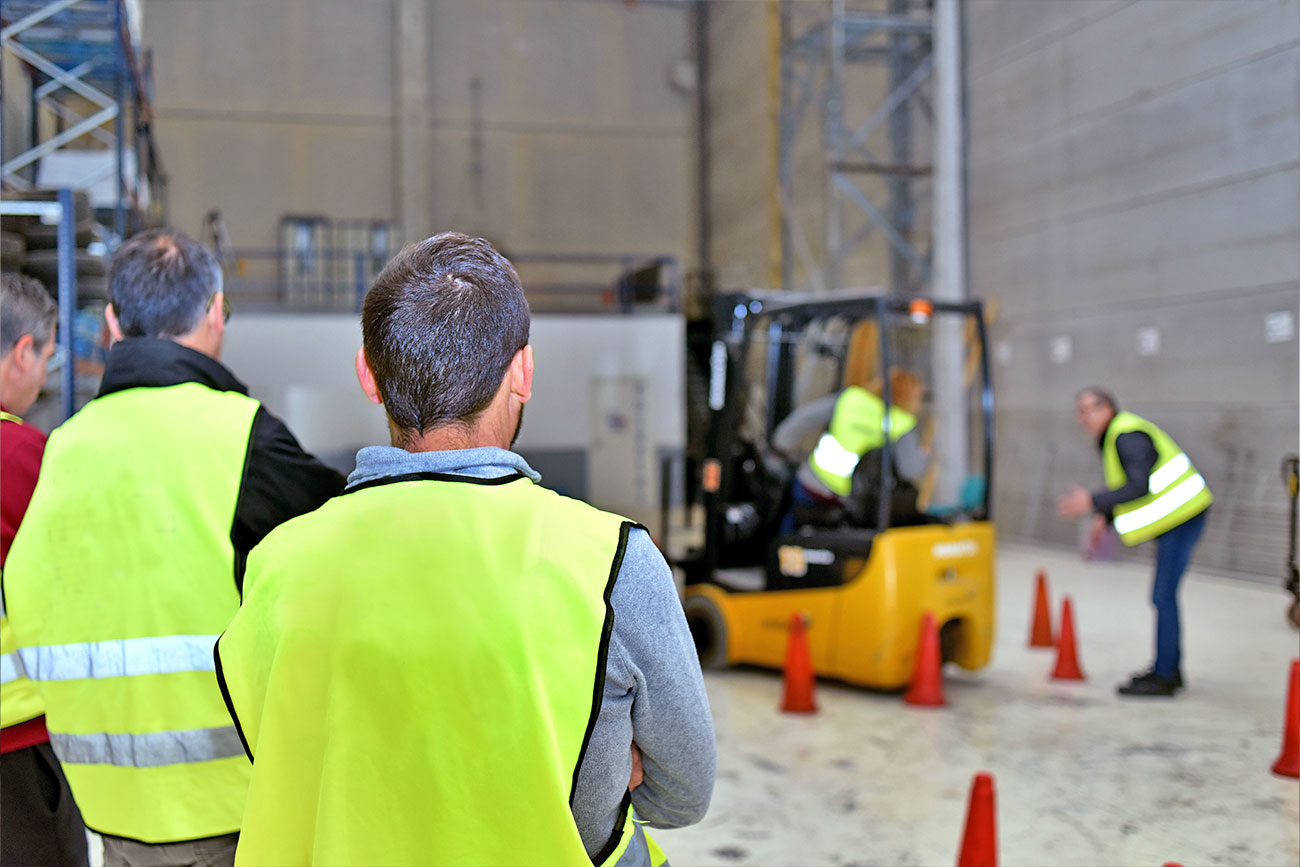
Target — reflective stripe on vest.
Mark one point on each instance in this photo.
(11, 668)
(340, 625)
(1145, 516)
(152, 750)
(833, 457)
(1176, 492)
(19, 701)
(1166, 475)
(858, 425)
(116, 588)
(123, 657)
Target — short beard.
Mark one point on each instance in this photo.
(519, 423)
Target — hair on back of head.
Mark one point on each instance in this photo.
(440, 325)
(25, 308)
(1100, 395)
(160, 283)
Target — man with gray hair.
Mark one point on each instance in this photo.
(40, 820)
(1152, 493)
(130, 561)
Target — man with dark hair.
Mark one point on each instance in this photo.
(450, 664)
(1153, 492)
(41, 822)
(130, 559)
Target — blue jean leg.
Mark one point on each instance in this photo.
(799, 496)
(1173, 553)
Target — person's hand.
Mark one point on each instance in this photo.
(637, 773)
(1075, 504)
(1096, 532)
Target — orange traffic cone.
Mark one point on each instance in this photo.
(979, 842)
(799, 674)
(1040, 635)
(926, 688)
(1288, 764)
(1067, 656)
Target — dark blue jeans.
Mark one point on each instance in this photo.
(799, 496)
(1173, 553)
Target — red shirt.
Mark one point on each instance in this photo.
(21, 449)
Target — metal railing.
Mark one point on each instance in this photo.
(266, 278)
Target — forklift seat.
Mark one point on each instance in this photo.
(826, 514)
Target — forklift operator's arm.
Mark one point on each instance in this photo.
(796, 435)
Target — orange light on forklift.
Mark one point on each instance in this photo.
(711, 476)
(920, 311)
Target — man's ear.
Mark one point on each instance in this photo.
(366, 377)
(216, 314)
(521, 374)
(114, 327)
(24, 352)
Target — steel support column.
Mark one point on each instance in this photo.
(821, 45)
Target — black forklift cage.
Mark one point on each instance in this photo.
(738, 316)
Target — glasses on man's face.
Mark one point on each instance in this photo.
(225, 306)
(1086, 410)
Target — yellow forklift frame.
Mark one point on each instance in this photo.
(865, 619)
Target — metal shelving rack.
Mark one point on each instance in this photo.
(819, 43)
(59, 212)
(82, 58)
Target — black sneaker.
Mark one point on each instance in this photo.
(1150, 674)
(1151, 684)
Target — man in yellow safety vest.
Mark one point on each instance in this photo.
(40, 819)
(448, 663)
(854, 424)
(128, 563)
(1152, 492)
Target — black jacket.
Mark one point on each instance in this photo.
(281, 481)
(1137, 455)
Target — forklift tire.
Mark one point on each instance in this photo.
(709, 629)
(1294, 614)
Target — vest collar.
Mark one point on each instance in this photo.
(147, 362)
(379, 462)
(1101, 440)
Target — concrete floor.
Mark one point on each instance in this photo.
(1083, 777)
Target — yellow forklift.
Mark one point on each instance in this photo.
(863, 570)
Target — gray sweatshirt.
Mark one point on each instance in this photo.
(654, 693)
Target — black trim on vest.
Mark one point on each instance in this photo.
(612, 843)
(157, 843)
(434, 477)
(240, 560)
(598, 692)
(225, 695)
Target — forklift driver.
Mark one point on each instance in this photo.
(841, 476)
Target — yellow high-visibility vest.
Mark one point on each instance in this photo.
(19, 700)
(416, 668)
(857, 427)
(117, 588)
(1177, 492)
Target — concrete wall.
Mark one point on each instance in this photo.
(742, 145)
(331, 107)
(1134, 207)
(301, 366)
